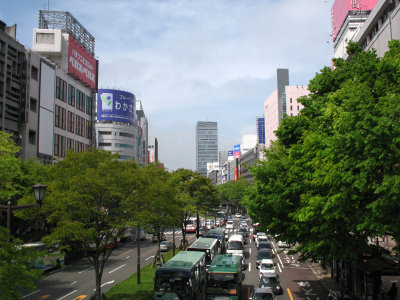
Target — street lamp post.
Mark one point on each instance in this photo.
(39, 191)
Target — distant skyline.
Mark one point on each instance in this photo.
(209, 60)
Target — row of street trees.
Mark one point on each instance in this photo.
(91, 199)
(332, 179)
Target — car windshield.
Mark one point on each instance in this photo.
(267, 266)
(263, 255)
(265, 245)
(235, 245)
(272, 280)
(263, 296)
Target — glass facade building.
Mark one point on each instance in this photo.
(206, 145)
(261, 130)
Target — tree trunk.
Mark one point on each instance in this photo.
(138, 255)
(98, 279)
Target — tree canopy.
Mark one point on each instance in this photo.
(331, 180)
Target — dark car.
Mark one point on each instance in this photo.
(244, 231)
(271, 280)
(244, 236)
(263, 254)
(264, 245)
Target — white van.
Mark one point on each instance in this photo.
(236, 245)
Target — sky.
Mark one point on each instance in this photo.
(195, 60)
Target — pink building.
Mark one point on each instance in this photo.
(289, 107)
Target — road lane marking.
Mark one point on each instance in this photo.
(109, 282)
(248, 293)
(74, 282)
(149, 257)
(67, 295)
(44, 296)
(249, 267)
(80, 272)
(290, 294)
(31, 294)
(116, 269)
(128, 256)
(250, 250)
(80, 297)
(277, 254)
(279, 267)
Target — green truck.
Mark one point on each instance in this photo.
(224, 277)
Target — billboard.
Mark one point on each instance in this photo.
(236, 151)
(115, 105)
(81, 64)
(214, 166)
(230, 153)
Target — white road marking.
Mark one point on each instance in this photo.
(67, 295)
(249, 267)
(279, 267)
(74, 282)
(83, 271)
(250, 251)
(278, 256)
(109, 282)
(31, 294)
(127, 256)
(149, 257)
(116, 269)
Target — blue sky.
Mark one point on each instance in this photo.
(195, 60)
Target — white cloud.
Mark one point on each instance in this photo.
(193, 60)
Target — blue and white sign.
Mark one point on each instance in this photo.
(230, 153)
(115, 105)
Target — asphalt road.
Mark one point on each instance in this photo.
(77, 281)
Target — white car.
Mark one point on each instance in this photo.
(267, 266)
(238, 215)
(229, 225)
(283, 244)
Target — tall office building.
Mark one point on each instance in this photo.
(206, 145)
(281, 103)
(261, 130)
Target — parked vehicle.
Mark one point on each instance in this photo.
(165, 245)
(182, 277)
(262, 294)
(283, 244)
(271, 280)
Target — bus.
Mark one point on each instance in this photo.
(208, 245)
(50, 259)
(191, 225)
(219, 234)
(224, 277)
(182, 277)
(222, 216)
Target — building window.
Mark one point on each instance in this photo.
(59, 145)
(298, 108)
(44, 38)
(291, 100)
(32, 137)
(60, 117)
(105, 132)
(33, 105)
(291, 107)
(61, 89)
(88, 129)
(34, 73)
(105, 144)
(71, 122)
(88, 105)
(70, 144)
(80, 100)
(71, 95)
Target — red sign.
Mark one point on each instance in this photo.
(81, 64)
(236, 174)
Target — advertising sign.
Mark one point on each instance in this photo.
(81, 64)
(117, 106)
(236, 151)
(230, 153)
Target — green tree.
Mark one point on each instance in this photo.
(233, 192)
(84, 202)
(15, 266)
(331, 179)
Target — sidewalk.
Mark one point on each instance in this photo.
(324, 276)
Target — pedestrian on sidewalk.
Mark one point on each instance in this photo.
(393, 292)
